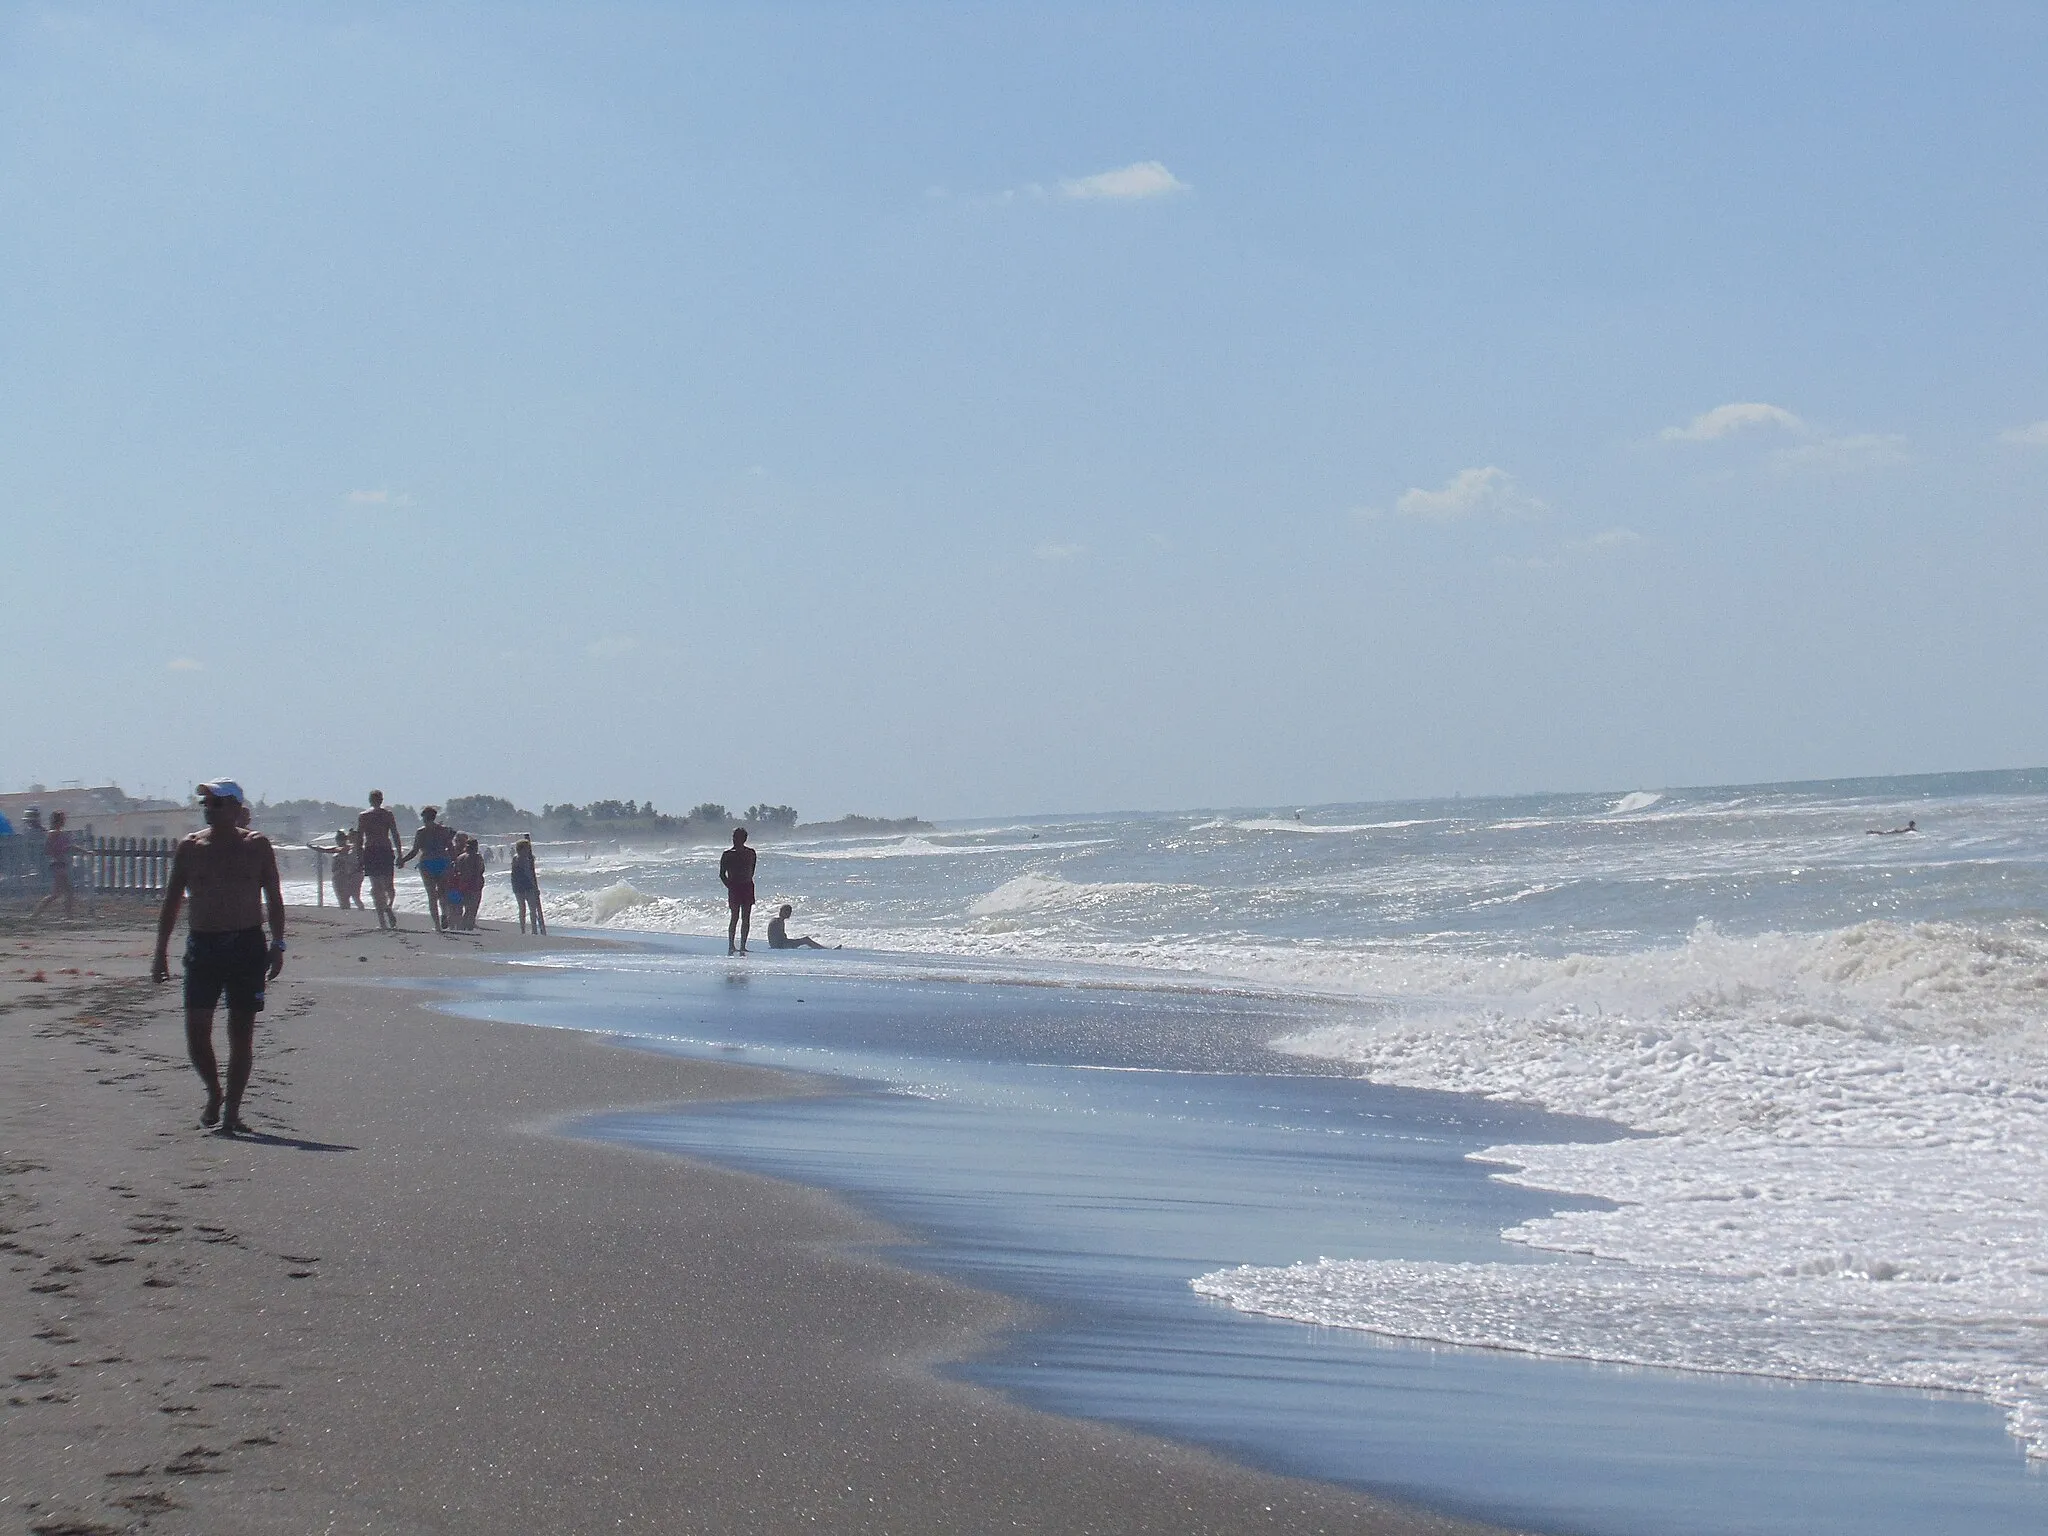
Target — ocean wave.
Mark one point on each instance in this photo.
(1037, 895)
(604, 905)
(1641, 800)
(1312, 828)
(1819, 1328)
(920, 848)
(1848, 1176)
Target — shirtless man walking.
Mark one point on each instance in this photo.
(229, 874)
(377, 832)
(736, 874)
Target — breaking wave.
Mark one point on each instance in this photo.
(1848, 1177)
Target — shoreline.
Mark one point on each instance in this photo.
(979, 1117)
(417, 1301)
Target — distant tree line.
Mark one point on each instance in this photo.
(610, 820)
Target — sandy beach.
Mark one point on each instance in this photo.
(404, 1305)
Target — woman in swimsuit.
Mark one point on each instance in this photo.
(434, 846)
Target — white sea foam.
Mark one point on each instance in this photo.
(922, 848)
(1311, 828)
(1038, 896)
(614, 899)
(1641, 800)
(1849, 1178)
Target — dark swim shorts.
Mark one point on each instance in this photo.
(235, 963)
(377, 859)
(740, 893)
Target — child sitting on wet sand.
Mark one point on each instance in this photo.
(778, 933)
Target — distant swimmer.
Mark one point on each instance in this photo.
(378, 842)
(736, 874)
(1911, 826)
(778, 933)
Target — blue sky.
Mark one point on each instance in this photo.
(967, 409)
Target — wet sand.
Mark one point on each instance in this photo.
(404, 1305)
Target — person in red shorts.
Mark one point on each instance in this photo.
(736, 874)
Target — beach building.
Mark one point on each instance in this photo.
(102, 811)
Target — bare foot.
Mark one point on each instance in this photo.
(233, 1125)
(209, 1117)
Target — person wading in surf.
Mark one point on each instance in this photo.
(229, 875)
(736, 874)
(526, 884)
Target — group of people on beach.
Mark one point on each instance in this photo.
(451, 864)
(227, 877)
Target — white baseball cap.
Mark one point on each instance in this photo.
(223, 789)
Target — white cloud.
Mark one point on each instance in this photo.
(611, 647)
(1725, 419)
(1142, 178)
(2035, 436)
(1058, 552)
(1845, 455)
(183, 664)
(1608, 540)
(1487, 492)
(1817, 450)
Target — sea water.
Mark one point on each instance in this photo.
(1835, 1042)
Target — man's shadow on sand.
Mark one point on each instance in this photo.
(296, 1143)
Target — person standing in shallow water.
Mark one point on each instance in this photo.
(526, 884)
(229, 876)
(736, 874)
(378, 843)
